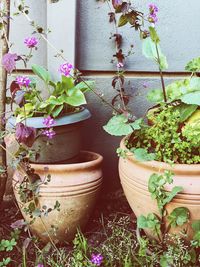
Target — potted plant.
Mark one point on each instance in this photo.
(54, 182)
(160, 156)
(56, 115)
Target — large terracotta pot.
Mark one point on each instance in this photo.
(74, 186)
(67, 139)
(134, 177)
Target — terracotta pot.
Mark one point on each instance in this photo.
(134, 177)
(74, 186)
(67, 139)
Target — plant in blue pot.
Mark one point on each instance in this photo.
(48, 121)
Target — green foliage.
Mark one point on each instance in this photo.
(167, 138)
(178, 216)
(119, 125)
(151, 222)
(141, 154)
(193, 65)
(41, 72)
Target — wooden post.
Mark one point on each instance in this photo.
(3, 82)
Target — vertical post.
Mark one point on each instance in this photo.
(61, 20)
(3, 82)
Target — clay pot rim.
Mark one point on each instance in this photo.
(95, 160)
(161, 165)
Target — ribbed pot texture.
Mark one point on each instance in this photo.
(134, 177)
(74, 186)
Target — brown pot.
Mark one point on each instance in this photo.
(134, 177)
(74, 186)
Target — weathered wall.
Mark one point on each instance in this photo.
(178, 29)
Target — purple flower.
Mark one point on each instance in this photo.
(24, 134)
(65, 69)
(9, 62)
(49, 133)
(97, 259)
(49, 122)
(153, 8)
(116, 3)
(120, 65)
(31, 42)
(40, 265)
(23, 81)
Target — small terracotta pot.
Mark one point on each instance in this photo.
(135, 175)
(74, 186)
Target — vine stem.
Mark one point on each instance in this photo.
(161, 74)
(34, 200)
(63, 57)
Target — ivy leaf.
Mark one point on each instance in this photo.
(118, 126)
(155, 96)
(172, 194)
(41, 72)
(191, 98)
(193, 65)
(151, 221)
(185, 111)
(141, 154)
(123, 20)
(179, 216)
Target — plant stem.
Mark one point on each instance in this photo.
(161, 75)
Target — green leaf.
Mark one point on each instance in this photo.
(56, 111)
(42, 73)
(141, 154)
(149, 49)
(151, 221)
(196, 226)
(172, 194)
(136, 125)
(118, 126)
(193, 65)
(55, 101)
(86, 86)
(155, 96)
(67, 82)
(191, 98)
(179, 216)
(154, 35)
(185, 111)
(123, 20)
(75, 97)
(163, 62)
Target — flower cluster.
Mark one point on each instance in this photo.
(116, 3)
(97, 259)
(23, 81)
(49, 132)
(31, 42)
(153, 10)
(9, 62)
(65, 69)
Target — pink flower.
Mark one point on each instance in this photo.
(48, 121)
(153, 9)
(9, 61)
(65, 69)
(97, 259)
(31, 42)
(23, 81)
(120, 65)
(116, 3)
(49, 133)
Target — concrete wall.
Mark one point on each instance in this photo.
(178, 29)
